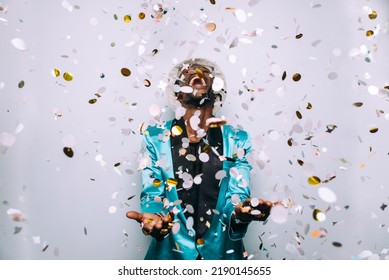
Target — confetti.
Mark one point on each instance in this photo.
(125, 72)
(68, 151)
(296, 77)
(7, 139)
(200, 241)
(279, 214)
(299, 36)
(374, 130)
(318, 215)
(240, 15)
(19, 44)
(369, 33)
(141, 16)
(21, 84)
(92, 101)
(314, 180)
(154, 110)
(176, 228)
(176, 130)
(172, 182)
(146, 83)
(327, 195)
(67, 76)
(337, 244)
(112, 209)
(373, 15)
(333, 76)
(358, 104)
(210, 26)
(127, 18)
(55, 72)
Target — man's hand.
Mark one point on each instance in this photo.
(158, 226)
(253, 209)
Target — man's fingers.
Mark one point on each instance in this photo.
(135, 216)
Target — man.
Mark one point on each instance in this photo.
(195, 200)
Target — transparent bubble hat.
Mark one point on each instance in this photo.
(218, 85)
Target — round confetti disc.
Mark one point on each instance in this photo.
(210, 26)
(176, 130)
(373, 15)
(296, 77)
(125, 72)
(55, 72)
(127, 18)
(68, 151)
(314, 180)
(279, 214)
(67, 76)
(318, 215)
(142, 15)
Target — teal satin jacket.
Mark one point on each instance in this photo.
(221, 240)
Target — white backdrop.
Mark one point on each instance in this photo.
(53, 206)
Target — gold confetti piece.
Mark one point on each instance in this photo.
(296, 77)
(176, 130)
(92, 101)
(156, 183)
(290, 142)
(68, 151)
(125, 72)
(172, 182)
(210, 26)
(200, 241)
(154, 52)
(142, 15)
(386, 87)
(21, 84)
(358, 104)
(373, 15)
(300, 162)
(199, 73)
(318, 215)
(298, 114)
(309, 106)
(55, 72)
(67, 76)
(115, 16)
(284, 75)
(230, 9)
(314, 180)
(146, 83)
(127, 18)
(213, 2)
(373, 130)
(116, 164)
(298, 36)
(369, 33)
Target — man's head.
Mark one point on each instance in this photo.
(196, 82)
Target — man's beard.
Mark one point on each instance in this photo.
(204, 100)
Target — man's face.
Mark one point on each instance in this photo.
(199, 79)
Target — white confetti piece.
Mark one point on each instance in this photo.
(176, 228)
(189, 223)
(204, 157)
(235, 199)
(112, 209)
(220, 174)
(327, 195)
(240, 15)
(93, 21)
(154, 110)
(218, 84)
(279, 214)
(186, 89)
(7, 139)
(373, 90)
(19, 44)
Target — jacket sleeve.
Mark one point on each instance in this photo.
(238, 189)
(153, 186)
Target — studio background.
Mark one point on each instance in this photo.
(332, 123)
